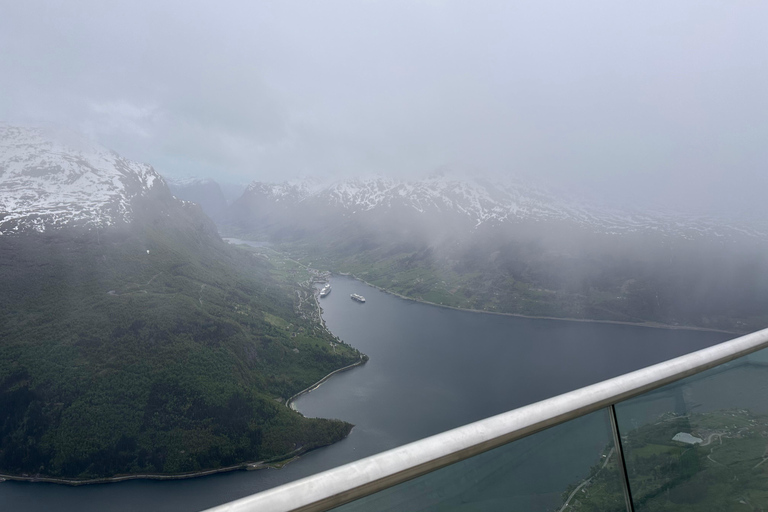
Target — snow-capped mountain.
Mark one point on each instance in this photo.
(471, 203)
(50, 180)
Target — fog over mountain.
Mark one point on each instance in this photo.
(51, 180)
(112, 287)
(602, 151)
(205, 192)
(461, 204)
(180, 179)
(652, 102)
(514, 247)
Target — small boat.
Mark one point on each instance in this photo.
(326, 290)
(358, 298)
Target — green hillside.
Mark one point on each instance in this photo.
(152, 350)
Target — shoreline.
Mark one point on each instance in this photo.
(647, 324)
(289, 402)
(651, 325)
(123, 478)
(275, 463)
(363, 359)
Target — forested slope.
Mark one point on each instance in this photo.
(151, 348)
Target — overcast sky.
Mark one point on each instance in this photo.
(668, 98)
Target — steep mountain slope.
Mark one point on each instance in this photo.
(513, 247)
(132, 338)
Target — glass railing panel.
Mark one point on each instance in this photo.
(700, 443)
(567, 463)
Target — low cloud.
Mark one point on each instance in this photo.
(658, 101)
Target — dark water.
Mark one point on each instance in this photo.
(431, 369)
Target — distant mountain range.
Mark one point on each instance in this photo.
(52, 180)
(471, 203)
(507, 245)
(133, 340)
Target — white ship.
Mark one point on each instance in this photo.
(326, 290)
(358, 298)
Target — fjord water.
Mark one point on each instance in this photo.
(430, 369)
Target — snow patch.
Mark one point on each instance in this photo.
(54, 178)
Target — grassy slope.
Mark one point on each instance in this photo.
(177, 369)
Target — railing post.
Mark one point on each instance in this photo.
(622, 463)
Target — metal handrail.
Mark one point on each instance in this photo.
(360, 478)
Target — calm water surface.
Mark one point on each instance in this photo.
(431, 369)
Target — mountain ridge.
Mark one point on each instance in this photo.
(481, 201)
(48, 182)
